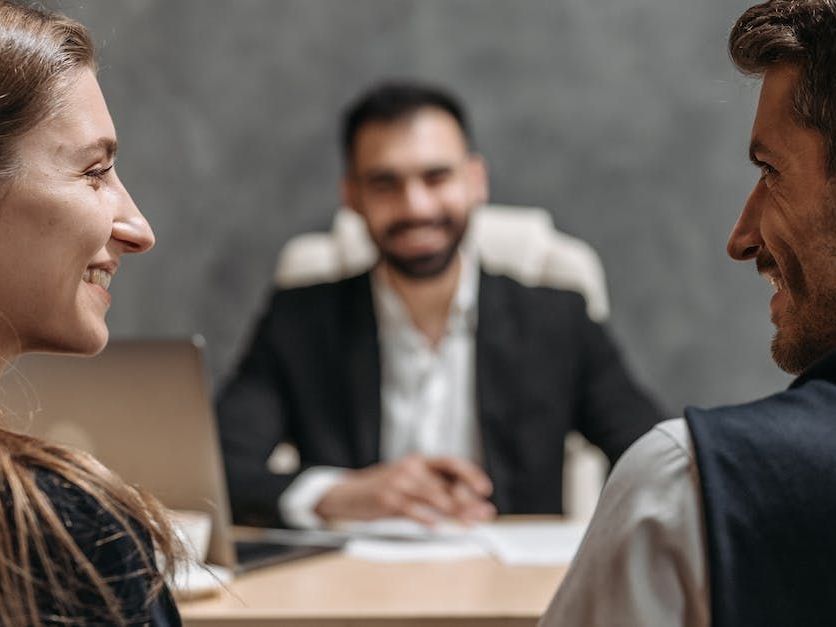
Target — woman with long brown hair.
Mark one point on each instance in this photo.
(76, 543)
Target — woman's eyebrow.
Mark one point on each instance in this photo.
(107, 145)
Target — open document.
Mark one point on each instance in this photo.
(534, 542)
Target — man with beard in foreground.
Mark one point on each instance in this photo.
(425, 388)
(726, 517)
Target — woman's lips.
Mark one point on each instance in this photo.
(99, 281)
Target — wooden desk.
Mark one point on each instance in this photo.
(334, 590)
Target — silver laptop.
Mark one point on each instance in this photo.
(143, 408)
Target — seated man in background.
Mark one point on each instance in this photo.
(425, 388)
(727, 517)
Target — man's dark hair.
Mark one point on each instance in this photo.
(393, 101)
(801, 33)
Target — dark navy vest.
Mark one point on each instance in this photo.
(768, 479)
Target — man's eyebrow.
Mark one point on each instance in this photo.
(383, 172)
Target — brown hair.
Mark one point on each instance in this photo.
(39, 52)
(801, 33)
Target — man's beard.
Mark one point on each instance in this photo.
(423, 266)
(807, 331)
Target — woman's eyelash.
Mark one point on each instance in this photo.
(98, 173)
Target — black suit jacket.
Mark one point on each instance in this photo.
(311, 376)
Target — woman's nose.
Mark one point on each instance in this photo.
(130, 228)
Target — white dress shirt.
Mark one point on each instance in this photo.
(427, 393)
(642, 562)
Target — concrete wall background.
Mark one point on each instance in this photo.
(623, 117)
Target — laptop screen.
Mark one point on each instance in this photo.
(143, 408)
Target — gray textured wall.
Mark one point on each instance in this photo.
(624, 117)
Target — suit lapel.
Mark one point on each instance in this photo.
(362, 372)
(497, 365)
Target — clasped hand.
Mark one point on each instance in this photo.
(425, 489)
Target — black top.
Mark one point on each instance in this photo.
(768, 481)
(311, 376)
(110, 550)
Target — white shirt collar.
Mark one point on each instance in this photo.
(393, 318)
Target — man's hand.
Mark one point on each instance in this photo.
(421, 488)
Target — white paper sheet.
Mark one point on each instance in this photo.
(513, 543)
(402, 528)
(414, 550)
(532, 543)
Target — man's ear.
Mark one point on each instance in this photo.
(477, 172)
(350, 193)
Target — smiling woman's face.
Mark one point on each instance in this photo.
(65, 222)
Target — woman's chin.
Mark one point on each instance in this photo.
(87, 343)
(95, 343)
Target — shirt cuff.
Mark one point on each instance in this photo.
(298, 502)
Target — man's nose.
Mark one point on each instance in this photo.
(419, 200)
(745, 239)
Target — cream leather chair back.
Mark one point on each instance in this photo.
(520, 242)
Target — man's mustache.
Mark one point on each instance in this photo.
(405, 225)
(765, 262)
